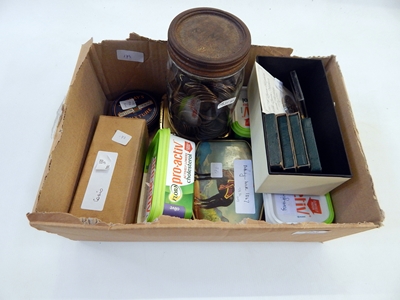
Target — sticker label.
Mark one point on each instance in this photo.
(226, 102)
(99, 181)
(285, 204)
(244, 187)
(216, 170)
(121, 137)
(127, 104)
(130, 55)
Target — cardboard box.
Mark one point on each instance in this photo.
(327, 131)
(110, 183)
(100, 75)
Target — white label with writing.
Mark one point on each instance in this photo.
(130, 55)
(244, 187)
(271, 92)
(216, 170)
(127, 104)
(99, 181)
(121, 137)
(285, 204)
(226, 102)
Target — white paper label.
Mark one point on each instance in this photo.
(130, 55)
(216, 170)
(270, 92)
(121, 137)
(99, 181)
(127, 104)
(244, 187)
(285, 204)
(226, 102)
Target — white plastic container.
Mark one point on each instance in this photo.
(291, 209)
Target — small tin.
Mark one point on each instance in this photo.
(137, 104)
(241, 116)
(168, 177)
(224, 189)
(291, 209)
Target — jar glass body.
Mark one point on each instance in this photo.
(200, 108)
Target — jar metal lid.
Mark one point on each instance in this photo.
(208, 42)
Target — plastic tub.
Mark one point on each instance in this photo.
(286, 208)
(169, 176)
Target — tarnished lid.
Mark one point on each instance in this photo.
(208, 42)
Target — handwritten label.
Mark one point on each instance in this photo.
(244, 187)
(121, 137)
(285, 204)
(216, 170)
(99, 181)
(130, 55)
(271, 92)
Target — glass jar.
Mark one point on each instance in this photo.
(208, 50)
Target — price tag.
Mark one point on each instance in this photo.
(121, 137)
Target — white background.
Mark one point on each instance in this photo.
(39, 45)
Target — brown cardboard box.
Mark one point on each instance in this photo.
(114, 189)
(100, 75)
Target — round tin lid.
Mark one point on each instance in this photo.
(208, 42)
(136, 104)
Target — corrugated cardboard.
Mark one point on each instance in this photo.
(121, 201)
(99, 77)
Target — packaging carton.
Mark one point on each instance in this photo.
(107, 69)
(321, 111)
(110, 183)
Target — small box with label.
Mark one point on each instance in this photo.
(109, 185)
(224, 187)
(267, 94)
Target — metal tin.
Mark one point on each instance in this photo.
(224, 189)
(137, 104)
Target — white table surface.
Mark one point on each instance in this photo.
(39, 45)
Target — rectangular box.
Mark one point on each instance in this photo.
(321, 110)
(109, 186)
(100, 75)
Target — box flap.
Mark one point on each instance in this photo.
(355, 200)
(82, 55)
